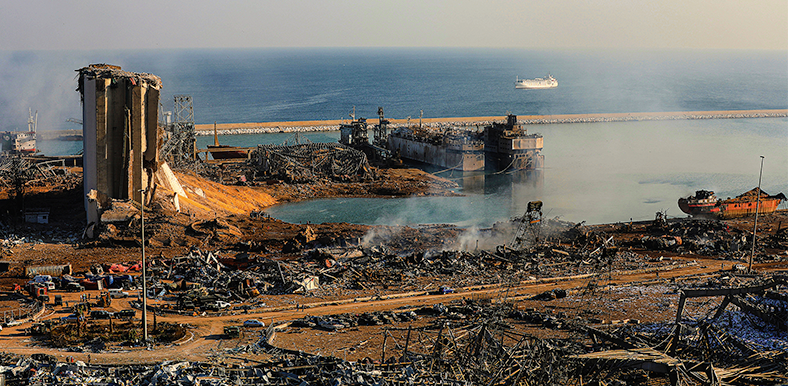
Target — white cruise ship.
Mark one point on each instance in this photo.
(546, 82)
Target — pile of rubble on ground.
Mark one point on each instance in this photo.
(308, 162)
(389, 262)
(470, 342)
(702, 237)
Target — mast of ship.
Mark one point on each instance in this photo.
(757, 205)
(215, 135)
(32, 123)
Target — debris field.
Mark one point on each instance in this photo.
(237, 298)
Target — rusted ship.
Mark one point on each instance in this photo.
(500, 146)
(705, 204)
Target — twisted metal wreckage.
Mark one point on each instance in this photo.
(306, 162)
(474, 342)
(467, 343)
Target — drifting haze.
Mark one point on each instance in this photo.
(147, 24)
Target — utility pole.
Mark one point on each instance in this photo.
(757, 206)
(144, 273)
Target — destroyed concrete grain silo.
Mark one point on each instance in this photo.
(120, 135)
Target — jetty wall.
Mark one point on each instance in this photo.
(329, 125)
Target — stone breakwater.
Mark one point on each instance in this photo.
(443, 123)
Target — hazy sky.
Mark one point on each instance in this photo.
(112, 24)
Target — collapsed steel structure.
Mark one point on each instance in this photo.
(306, 162)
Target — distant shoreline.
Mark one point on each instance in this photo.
(330, 125)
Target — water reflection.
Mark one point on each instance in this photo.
(487, 198)
(512, 189)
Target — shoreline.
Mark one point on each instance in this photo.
(332, 125)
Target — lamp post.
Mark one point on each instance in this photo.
(755, 226)
(144, 268)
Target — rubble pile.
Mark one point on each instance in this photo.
(748, 345)
(311, 161)
(473, 342)
(19, 175)
(202, 277)
(702, 237)
(779, 239)
(338, 322)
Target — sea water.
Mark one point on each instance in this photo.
(596, 172)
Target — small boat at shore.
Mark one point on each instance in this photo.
(221, 152)
(537, 83)
(705, 204)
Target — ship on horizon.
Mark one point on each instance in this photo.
(536, 83)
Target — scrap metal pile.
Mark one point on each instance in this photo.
(178, 144)
(748, 345)
(703, 237)
(18, 173)
(389, 262)
(467, 342)
(307, 162)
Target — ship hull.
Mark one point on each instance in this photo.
(522, 161)
(220, 152)
(748, 209)
(501, 146)
(534, 87)
(449, 157)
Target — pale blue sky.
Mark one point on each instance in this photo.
(584, 24)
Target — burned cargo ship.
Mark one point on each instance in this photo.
(705, 204)
(499, 147)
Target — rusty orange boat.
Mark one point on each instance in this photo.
(705, 204)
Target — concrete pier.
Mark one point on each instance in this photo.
(329, 125)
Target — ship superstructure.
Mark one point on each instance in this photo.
(536, 83)
(509, 146)
(21, 141)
